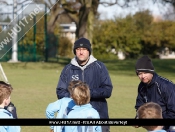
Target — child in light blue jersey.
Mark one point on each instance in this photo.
(83, 109)
(151, 110)
(5, 92)
(60, 107)
(77, 106)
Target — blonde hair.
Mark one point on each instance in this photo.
(79, 91)
(5, 91)
(150, 110)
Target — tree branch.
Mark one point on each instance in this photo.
(24, 2)
(169, 1)
(125, 3)
(4, 2)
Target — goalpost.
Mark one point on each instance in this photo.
(2, 75)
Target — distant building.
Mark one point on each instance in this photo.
(167, 54)
(157, 18)
(68, 30)
(5, 25)
(121, 55)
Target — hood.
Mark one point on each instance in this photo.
(75, 63)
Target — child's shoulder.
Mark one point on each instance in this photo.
(5, 114)
(66, 99)
(90, 109)
(158, 131)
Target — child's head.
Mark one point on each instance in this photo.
(79, 91)
(5, 91)
(150, 110)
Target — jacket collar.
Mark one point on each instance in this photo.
(82, 106)
(153, 79)
(75, 63)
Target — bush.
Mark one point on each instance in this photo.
(65, 47)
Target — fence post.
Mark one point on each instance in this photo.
(14, 44)
(34, 39)
(45, 31)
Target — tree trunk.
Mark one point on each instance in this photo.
(83, 17)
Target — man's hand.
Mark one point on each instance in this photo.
(51, 130)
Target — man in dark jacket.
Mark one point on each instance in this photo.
(86, 68)
(154, 88)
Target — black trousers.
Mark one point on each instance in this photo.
(105, 128)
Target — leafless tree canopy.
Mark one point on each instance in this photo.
(82, 12)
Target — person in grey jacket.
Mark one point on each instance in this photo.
(88, 69)
(154, 88)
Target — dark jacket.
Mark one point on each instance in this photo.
(12, 109)
(160, 90)
(95, 74)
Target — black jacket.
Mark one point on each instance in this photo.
(160, 90)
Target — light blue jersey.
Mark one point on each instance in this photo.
(5, 114)
(157, 131)
(62, 108)
(83, 112)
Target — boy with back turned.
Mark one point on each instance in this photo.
(5, 92)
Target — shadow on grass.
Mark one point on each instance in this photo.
(164, 65)
(128, 66)
(113, 66)
(51, 64)
(121, 66)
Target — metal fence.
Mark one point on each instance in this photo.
(33, 41)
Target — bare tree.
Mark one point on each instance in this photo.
(82, 12)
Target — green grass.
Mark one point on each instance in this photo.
(35, 87)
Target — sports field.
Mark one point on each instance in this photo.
(35, 87)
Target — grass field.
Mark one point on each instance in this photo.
(35, 87)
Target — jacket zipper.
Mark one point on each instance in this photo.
(83, 75)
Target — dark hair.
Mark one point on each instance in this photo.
(5, 85)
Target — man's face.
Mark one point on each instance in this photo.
(82, 55)
(145, 77)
